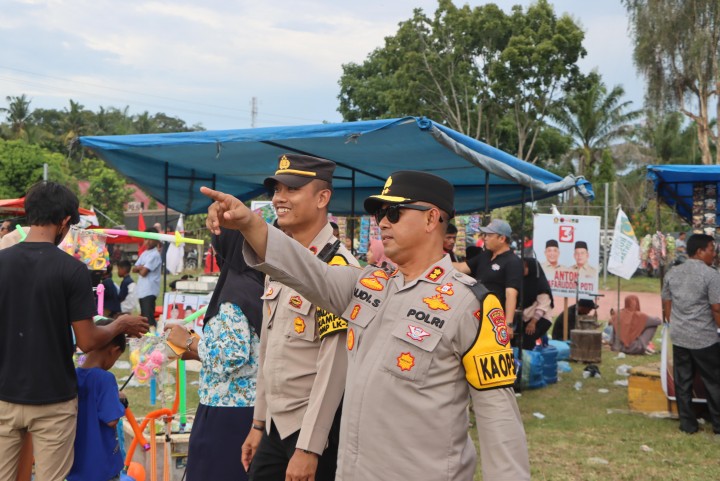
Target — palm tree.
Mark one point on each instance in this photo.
(18, 115)
(594, 117)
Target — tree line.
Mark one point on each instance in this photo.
(30, 138)
(509, 79)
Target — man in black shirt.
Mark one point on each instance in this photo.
(497, 267)
(45, 292)
(449, 241)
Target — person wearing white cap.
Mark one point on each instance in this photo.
(497, 267)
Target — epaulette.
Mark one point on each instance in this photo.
(464, 278)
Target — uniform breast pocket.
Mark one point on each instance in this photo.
(270, 300)
(359, 317)
(410, 351)
(302, 316)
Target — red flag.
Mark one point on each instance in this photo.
(141, 228)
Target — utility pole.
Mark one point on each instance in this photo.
(253, 113)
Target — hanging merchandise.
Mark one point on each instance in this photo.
(88, 247)
(364, 237)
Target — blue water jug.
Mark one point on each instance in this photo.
(550, 364)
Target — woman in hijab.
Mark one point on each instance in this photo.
(537, 303)
(229, 352)
(376, 255)
(633, 329)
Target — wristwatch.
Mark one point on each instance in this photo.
(188, 343)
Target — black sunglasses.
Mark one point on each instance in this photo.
(393, 212)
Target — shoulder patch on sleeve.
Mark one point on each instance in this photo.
(464, 278)
(329, 323)
(490, 363)
(338, 260)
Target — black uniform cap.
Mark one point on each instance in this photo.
(296, 170)
(581, 245)
(407, 186)
(552, 243)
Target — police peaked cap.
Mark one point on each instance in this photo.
(295, 170)
(407, 186)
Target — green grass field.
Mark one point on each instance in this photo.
(585, 435)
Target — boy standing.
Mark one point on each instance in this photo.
(148, 286)
(127, 294)
(97, 449)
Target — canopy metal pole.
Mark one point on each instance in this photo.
(167, 195)
(520, 305)
(605, 237)
(658, 225)
(487, 197)
(352, 212)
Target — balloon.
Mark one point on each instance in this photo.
(134, 357)
(136, 471)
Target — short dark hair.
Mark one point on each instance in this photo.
(320, 184)
(48, 203)
(451, 229)
(334, 225)
(124, 264)
(118, 340)
(697, 242)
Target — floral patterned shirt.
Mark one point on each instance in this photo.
(229, 353)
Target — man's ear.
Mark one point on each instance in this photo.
(324, 198)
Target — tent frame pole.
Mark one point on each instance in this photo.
(167, 197)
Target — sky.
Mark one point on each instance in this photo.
(204, 62)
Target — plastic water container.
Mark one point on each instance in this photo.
(563, 349)
(550, 364)
(532, 365)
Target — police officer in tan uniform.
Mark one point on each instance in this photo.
(421, 343)
(302, 362)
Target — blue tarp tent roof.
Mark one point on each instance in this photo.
(674, 185)
(367, 152)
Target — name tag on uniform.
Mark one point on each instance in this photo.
(495, 368)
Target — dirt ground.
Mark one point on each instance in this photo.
(650, 303)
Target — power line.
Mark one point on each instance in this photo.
(182, 101)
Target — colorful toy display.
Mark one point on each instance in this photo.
(88, 247)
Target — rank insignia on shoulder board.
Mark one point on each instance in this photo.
(436, 273)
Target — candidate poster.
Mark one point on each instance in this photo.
(177, 306)
(568, 249)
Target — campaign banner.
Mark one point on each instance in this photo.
(625, 250)
(177, 306)
(568, 249)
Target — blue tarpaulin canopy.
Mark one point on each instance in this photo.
(172, 167)
(674, 185)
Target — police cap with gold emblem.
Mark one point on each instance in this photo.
(407, 186)
(295, 170)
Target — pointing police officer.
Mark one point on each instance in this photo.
(420, 342)
(302, 361)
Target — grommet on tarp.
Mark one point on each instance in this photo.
(352, 138)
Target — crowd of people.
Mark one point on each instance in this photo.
(307, 358)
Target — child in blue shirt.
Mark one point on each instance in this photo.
(97, 449)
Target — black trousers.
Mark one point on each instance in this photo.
(706, 362)
(147, 309)
(273, 455)
(216, 440)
